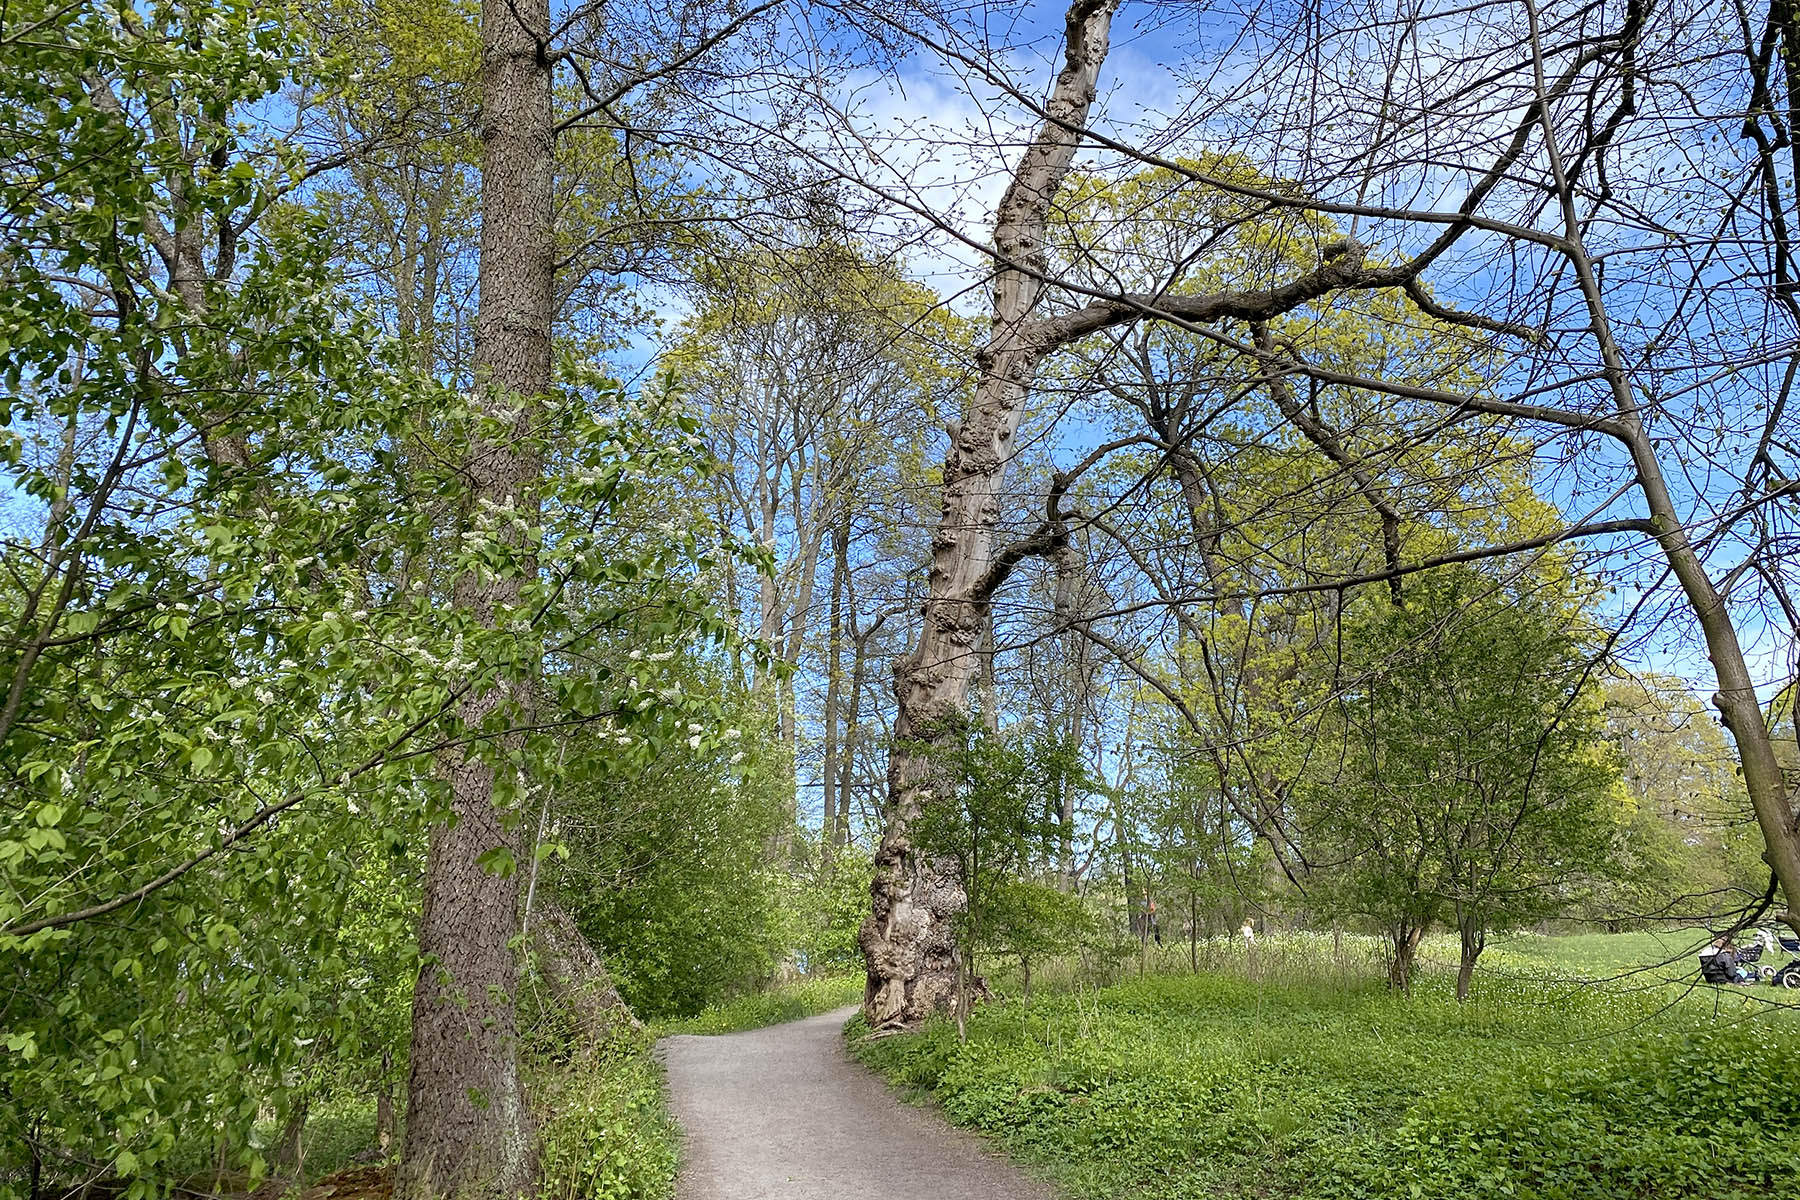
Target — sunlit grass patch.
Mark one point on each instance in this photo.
(805, 997)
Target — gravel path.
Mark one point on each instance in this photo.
(784, 1112)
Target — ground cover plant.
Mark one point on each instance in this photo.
(604, 1131)
(1323, 1083)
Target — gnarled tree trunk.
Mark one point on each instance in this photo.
(1403, 949)
(907, 938)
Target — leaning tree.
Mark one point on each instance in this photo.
(1604, 192)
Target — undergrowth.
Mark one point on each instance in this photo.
(1331, 1088)
(604, 1133)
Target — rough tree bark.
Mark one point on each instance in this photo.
(468, 1132)
(906, 938)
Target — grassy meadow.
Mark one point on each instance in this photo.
(1297, 1074)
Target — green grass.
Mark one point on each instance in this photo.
(1313, 1081)
(1597, 955)
(1587, 956)
(806, 997)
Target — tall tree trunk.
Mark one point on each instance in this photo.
(733, 608)
(769, 602)
(834, 652)
(1065, 801)
(384, 1103)
(1131, 910)
(468, 1132)
(852, 726)
(906, 939)
(987, 687)
(1770, 792)
(1078, 678)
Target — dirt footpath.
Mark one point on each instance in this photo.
(783, 1112)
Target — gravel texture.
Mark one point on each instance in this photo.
(784, 1112)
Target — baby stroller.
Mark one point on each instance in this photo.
(1788, 976)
